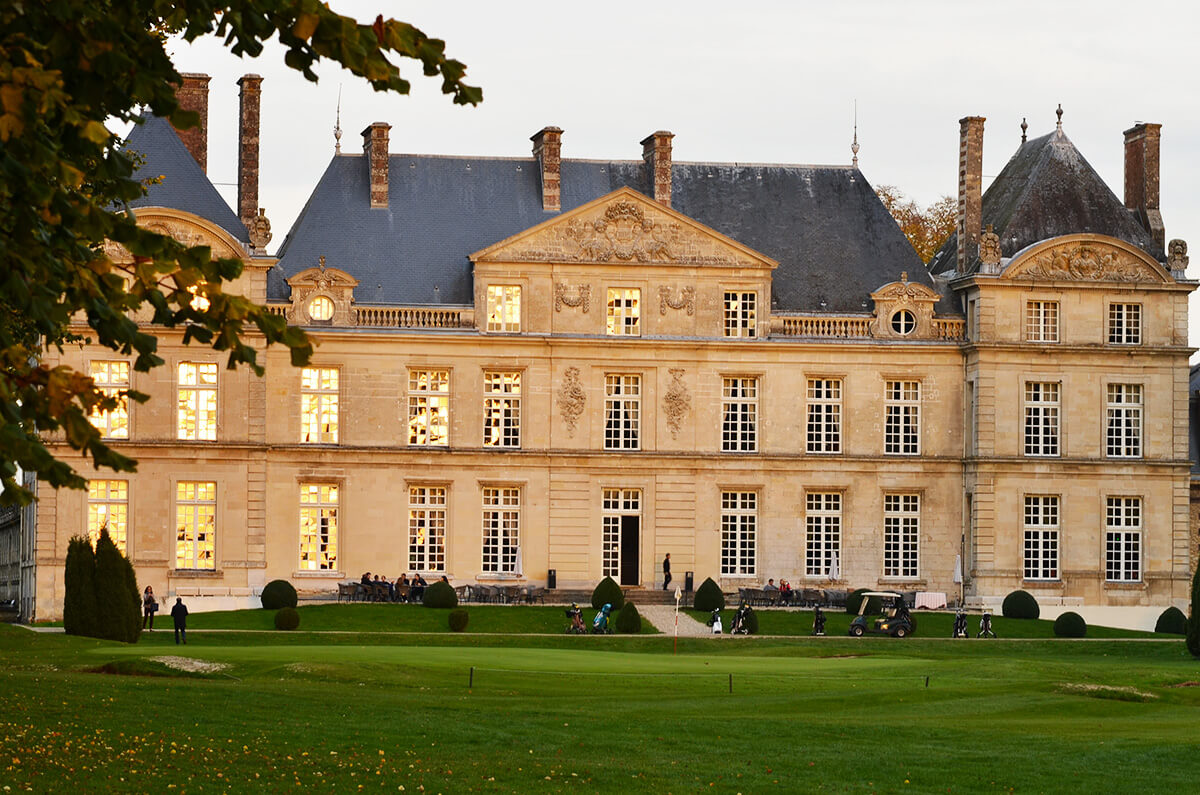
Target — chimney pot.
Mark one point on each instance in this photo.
(656, 151)
(375, 147)
(1142, 178)
(547, 150)
(248, 131)
(192, 95)
(970, 190)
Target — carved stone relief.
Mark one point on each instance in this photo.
(989, 251)
(571, 399)
(1086, 262)
(686, 300)
(259, 230)
(677, 401)
(333, 283)
(581, 298)
(915, 298)
(1177, 258)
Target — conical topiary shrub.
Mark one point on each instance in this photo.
(1171, 621)
(440, 595)
(709, 596)
(79, 600)
(608, 592)
(629, 620)
(1020, 604)
(118, 603)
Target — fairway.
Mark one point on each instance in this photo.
(454, 713)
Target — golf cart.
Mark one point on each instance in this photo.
(895, 621)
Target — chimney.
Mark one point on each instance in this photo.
(375, 147)
(192, 94)
(970, 190)
(249, 101)
(656, 151)
(1141, 178)
(547, 150)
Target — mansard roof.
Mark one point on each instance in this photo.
(183, 184)
(833, 238)
(1046, 190)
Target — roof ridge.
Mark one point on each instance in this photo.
(632, 161)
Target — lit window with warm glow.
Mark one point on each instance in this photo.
(318, 526)
(503, 307)
(320, 308)
(624, 312)
(427, 528)
(197, 402)
(108, 506)
(501, 409)
(429, 408)
(319, 405)
(112, 378)
(195, 525)
(199, 302)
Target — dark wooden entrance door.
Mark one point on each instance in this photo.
(630, 528)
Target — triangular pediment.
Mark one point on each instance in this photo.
(1086, 258)
(624, 227)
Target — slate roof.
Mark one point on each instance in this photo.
(184, 185)
(833, 238)
(1046, 190)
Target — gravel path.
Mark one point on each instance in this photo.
(663, 619)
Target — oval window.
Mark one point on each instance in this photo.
(321, 308)
(904, 322)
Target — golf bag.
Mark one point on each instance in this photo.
(960, 625)
(985, 626)
(740, 626)
(576, 627)
(818, 621)
(714, 621)
(600, 622)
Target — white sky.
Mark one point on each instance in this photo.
(749, 82)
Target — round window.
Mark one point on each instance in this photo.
(321, 308)
(904, 322)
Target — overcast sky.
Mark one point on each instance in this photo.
(764, 82)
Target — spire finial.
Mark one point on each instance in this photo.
(337, 127)
(854, 146)
(1058, 113)
(1024, 127)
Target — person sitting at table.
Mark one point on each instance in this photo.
(771, 586)
(402, 583)
(785, 592)
(364, 585)
(417, 589)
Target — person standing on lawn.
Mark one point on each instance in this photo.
(179, 616)
(149, 608)
(666, 571)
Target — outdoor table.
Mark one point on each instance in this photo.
(931, 599)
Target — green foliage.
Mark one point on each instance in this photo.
(277, 594)
(629, 620)
(608, 592)
(1070, 625)
(1020, 604)
(118, 601)
(440, 595)
(459, 619)
(709, 596)
(287, 619)
(874, 603)
(1193, 627)
(79, 600)
(1171, 621)
(66, 69)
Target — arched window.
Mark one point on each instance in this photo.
(904, 322)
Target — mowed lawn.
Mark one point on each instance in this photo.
(386, 711)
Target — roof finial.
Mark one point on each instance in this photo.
(322, 263)
(1058, 113)
(1024, 127)
(854, 146)
(337, 127)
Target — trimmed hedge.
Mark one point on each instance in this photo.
(118, 601)
(440, 595)
(1193, 626)
(1020, 604)
(709, 597)
(79, 600)
(629, 620)
(1070, 625)
(287, 618)
(874, 603)
(458, 619)
(277, 594)
(608, 592)
(1172, 621)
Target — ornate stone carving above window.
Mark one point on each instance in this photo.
(677, 402)
(571, 399)
(312, 284)
(1086, 258)
(686, 300)
(904, 310)
(562, 296)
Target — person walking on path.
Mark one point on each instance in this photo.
(666, 571)
(179, 616)
(149, 608)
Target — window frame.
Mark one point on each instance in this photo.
(902, 417)
(428, 555)
(118, 530)
(902, 535)
(1126, 528)
(502, 409)
(822, 532)
(501, 524)
(615, 503)
(502, 300)
(622, 412)
(325, 543)
(823, 415)
(320, 403)
(1041, 546)
(623, 305)
(205, 419)
(739, 313)
(193, 506)
(1042, 321)
(739, 532)
(1120, 418)
(1041, 424)
(112, 387)
(429, 388)
(1120, 325)
(739, 413)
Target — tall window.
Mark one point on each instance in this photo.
(1041, 321)
(739, 532)
(112, 378)
(501, 530)
(901, 535)
(318, 527)
(740, 314)
(108, 506)
(824, 415)
(1123, 540)
(1123, 421)
(1125, 324)
(1041, 538)
(501, 409)
(823, 533)
(197, 415)
(503, 307)
(622, 412)
(624, 311)
(1041, 418)
(319, 405)
(429, 408)
(739, 415)
(616, 503)
(427, 528)
(902, 424)
(195, 525)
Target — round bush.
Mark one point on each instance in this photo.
(629, 620)
(287, 618)
(874, 603)
(1070, 625)
(751, 622)
(709, 597)
(1171, 622)
(458, 619)
(608, 592)
(277, 594)
(1020, 604)
(440, 595)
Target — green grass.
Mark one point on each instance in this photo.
(385, 710)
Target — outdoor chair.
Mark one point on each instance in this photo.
(513, 594)
(534, 594)
(346, 590)
(812, 596)
(836, 598)
(402, 592)
(463, 592)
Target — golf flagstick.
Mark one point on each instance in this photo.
(678, 596)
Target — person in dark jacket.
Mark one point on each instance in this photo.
(179, 616)
(666, 571)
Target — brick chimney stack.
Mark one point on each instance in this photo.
(375, 147)
(192, 94)
(656, 151)
(970, 190)
(1141, 178)
(547, 150)
(248, 105)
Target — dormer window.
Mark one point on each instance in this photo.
(320, 309)
(904, 322)
(503, 307)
